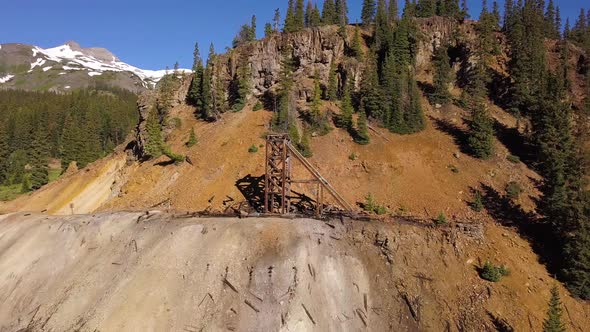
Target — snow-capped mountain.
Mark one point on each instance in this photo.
(70, 66)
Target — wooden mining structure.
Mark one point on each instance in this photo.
(280, 154)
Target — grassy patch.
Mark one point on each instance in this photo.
(253, 149)
(8, 193)
(54, 174)
(493, 273)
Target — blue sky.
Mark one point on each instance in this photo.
(152, 34)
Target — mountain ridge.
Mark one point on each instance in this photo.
(70, 66)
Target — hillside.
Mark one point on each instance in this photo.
(173, 272)
(68, 67)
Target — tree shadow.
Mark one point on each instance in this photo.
(500, 84)
(538, 233)
(427, 88)
(500, 324)
(252, 188)
(516, 143)
(165, 163)
(459, 135)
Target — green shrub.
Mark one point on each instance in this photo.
(353, 156)
(513, 159)
(253, 149)
(257, 107)
(441, 220)
(477, 204)
(513, 190)
(372, 207)
(26, 185)
(177, 122)
(493, 273)
(176, 158)
(192, 139)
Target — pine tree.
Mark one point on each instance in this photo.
(192, 139)
(332, 93)
(442, 76)
(4, 153)
(567, 30)
(370, 90)
(496, 15)
(368, 12)
(268, 30)
(194, 93)
(341, 12)
(579, 30)
(508, 14)
(414, 116)
(315, 19)
(39, 159)
(426, 8)
(290, 20)
(316, 99)
(304, 145)
(26, 184)
(392, 11)
(345, 119)
(464, 10)
(357, 48)
(553, 321)
(253, 28)
(329, 14)
(71, 141)
(299, 15)
(382, 27)
(481, 131)
(362, 132)
(308, 11)
(154, 144)
(276, 20)
(550, 18)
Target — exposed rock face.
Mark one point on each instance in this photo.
(311, 50)
(151, 101)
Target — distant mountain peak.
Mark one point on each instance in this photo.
(69, 59)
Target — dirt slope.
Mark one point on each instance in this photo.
(155, 272)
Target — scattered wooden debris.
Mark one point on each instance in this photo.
(311, 271)
(225, 281)
(248, 303)
(423, 277)
(413, 306)
(308, 314)
(362, 317)
(256, 296)
(204, 297)
(115, 263)
(378, 133)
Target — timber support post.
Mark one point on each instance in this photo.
(278, 178)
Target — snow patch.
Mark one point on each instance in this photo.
(6, 78)
(71, 68)
(93, 73)
(66, 87)
(62, 73)
(47, 68)
(39, 62)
